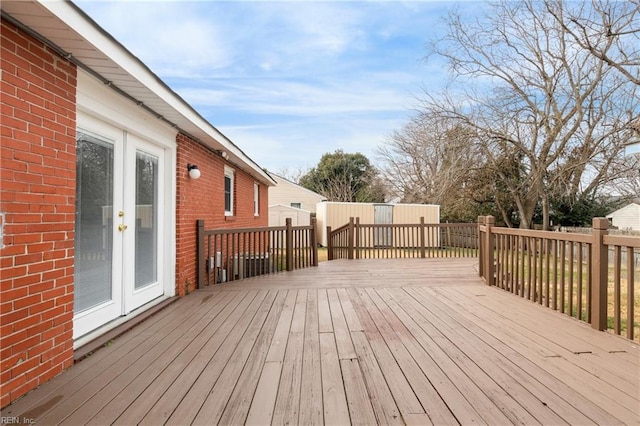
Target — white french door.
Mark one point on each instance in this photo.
(143, 235)
(119, 225)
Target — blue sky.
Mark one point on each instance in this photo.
(288, 81)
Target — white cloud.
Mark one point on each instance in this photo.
(301, 143)
(302, 98)
(321, 75)
(172, 38)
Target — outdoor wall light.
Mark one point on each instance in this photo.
(194, 173)
(223, 154)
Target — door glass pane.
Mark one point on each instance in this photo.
(94, 222)
(146, 219)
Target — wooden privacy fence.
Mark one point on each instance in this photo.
(232, 254)
(571, 273)
(361, 241)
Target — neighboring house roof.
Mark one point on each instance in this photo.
(634, 203)
(74, 35)
(280, 179)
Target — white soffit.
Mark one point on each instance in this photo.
(63, 24)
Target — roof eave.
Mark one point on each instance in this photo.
(79, 38)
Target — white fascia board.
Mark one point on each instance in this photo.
(72, 16)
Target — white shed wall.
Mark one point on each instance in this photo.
(278, 215)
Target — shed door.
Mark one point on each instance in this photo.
(383, 215)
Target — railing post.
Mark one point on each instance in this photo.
(289, 244)
(423, 246)
(481, 222)
(489, 267)
(350, 241)
(329, 244)
(599, 274)
(202, 261)
(314, 243)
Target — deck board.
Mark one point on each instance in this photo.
(334, 400)
(437, 361)
(64, 385)
(185, 396)
(146, 390)
(403, 394)
(432, 404)
(287, 406)
(239, 402)
(604, 387)
(515, 352)
(224, 387)
(106, 385)
(341, 330)
(466, 357)
(360, 408)
(387, 341)
(460, 407)
(490, 361)
(597, 362)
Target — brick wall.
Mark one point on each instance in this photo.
(204, 199)
(37, 206)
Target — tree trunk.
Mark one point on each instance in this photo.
(526, 210)
(545, 213)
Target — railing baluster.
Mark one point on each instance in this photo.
(616, 289)
(547, 272)
(580, 284)
(589, 283)
(563, 274)
(630, 293)
(513, 241)
(571, 282)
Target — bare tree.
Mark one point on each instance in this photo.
(533, 94)
(428, 160)
(609, 31)
(625, 171)
(292, 174)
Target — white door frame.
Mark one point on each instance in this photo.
(98, 109)
(84, 321)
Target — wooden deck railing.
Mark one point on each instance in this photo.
(361, 241)
(589, 277)
(232, 254)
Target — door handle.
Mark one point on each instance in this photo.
(122, 227)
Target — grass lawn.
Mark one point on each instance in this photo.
(323, 255)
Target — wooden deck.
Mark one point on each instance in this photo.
(398, 341)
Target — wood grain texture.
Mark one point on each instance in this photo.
(386, 341)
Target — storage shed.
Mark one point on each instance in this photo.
(336, 214)
(279, 213)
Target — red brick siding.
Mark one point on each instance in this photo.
(204, 199)
(37, 199)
